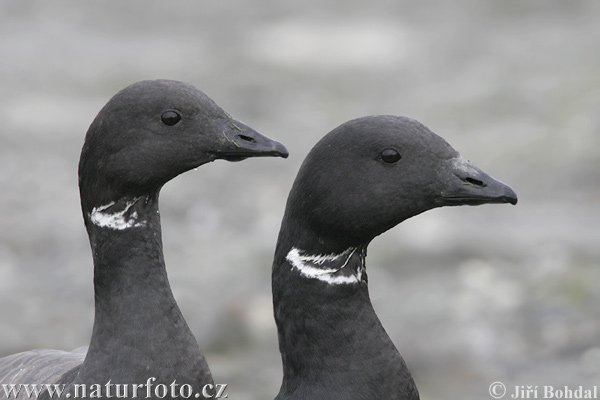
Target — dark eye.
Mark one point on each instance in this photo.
(390, 156)
(170, 117)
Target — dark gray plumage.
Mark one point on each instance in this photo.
(147, 134)
(360, 180)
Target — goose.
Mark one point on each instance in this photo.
(360, 180)
(147, 134)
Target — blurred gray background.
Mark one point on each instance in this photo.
(470, 295)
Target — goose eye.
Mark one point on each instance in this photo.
(390, 156)
(170, 118)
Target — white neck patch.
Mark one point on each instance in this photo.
(311, 266)
(117, 220)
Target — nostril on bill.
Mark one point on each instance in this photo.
(247, 138)
(475, 182)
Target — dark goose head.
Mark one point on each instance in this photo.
(152, 131)
(370, 174)
(360, 180)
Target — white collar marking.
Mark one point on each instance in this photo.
(302, 263)
(116, 220)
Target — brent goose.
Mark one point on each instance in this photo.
(360, 180)
(147, 134)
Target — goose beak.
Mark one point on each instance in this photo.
(239, 141)
(468, 185)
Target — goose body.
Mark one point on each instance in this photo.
(361, 179)
(147, 134)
